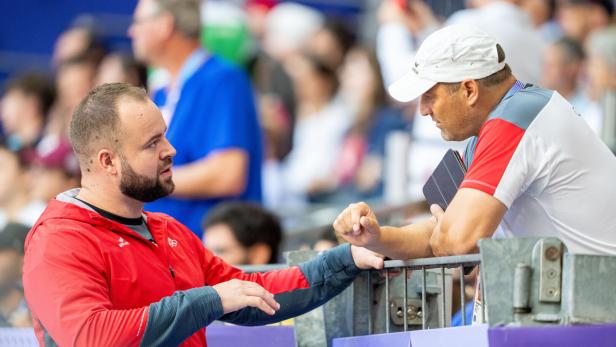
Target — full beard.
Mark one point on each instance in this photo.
(144, 188)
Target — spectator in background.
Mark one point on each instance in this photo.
(602, 62)
(55, 171)
(322, 121)
(243, 233)
(13, 308)
(602, 80)
(79, 40)
(331, 43)
(327, 241)
(209, 109)
(121, 68)
(15, 201)
(360, 164)
(543, 16)
(289, 27)
(256, 16)
(26, 103)
(513, 29)
(580, 18)
(276, 96)
(285, 31)
(74, 79)
(563, 64)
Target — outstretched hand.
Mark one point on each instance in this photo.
(237, 294)
(358, 225)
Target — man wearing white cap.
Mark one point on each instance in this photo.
(535, 168)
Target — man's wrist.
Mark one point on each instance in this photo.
(378, 243)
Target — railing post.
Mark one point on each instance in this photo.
(406, 304)
(387, 300)
(423, 298)
(443, 319)
(483, 297)
(462, 295)
(369, 302)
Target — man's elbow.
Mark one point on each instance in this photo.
(454, 242)
(234, 185)
(464, 247)
(232, 176)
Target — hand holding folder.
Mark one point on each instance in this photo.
(444, 182)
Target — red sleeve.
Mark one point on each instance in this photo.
(65, 287)
(217, 271)
(498, 140)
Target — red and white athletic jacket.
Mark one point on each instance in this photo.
(90, 281)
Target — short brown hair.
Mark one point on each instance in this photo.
(186, 15)
(496, 78)
(96, 117)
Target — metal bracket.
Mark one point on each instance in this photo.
(414, 311)
(550, 254)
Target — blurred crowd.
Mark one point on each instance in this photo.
(325, 131)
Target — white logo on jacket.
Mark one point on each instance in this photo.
(122, 243)
(172, 242)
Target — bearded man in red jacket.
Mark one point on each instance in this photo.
(100, 271)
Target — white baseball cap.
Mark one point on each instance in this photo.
(451, 54)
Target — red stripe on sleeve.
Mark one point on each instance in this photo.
(217, 271)
(498, 140)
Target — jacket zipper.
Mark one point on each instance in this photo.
(171, 271)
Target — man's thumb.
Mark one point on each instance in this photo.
(436, 211)
(370, 224)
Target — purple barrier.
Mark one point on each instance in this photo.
(379, 340)
(236, 336)
(482, 336)
(475, 336)
(470, 335)
(554, 336)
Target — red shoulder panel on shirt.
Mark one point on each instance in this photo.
(498, 140)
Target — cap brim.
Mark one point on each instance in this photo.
(409, 87)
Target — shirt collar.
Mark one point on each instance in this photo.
(517, 86)
(191, 65)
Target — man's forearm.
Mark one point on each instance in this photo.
(327, 275)
(407, 242)
(175, 318)
(217, 175)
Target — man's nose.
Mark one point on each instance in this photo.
(424, 108)
(169, 150)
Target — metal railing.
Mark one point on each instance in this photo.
(462, 262)
(262, 268)
(359, 309)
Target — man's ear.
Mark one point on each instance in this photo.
(259, 254)
(470, 88)
(167, 25)
(108, 160)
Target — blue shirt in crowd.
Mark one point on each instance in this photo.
(215, 110)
